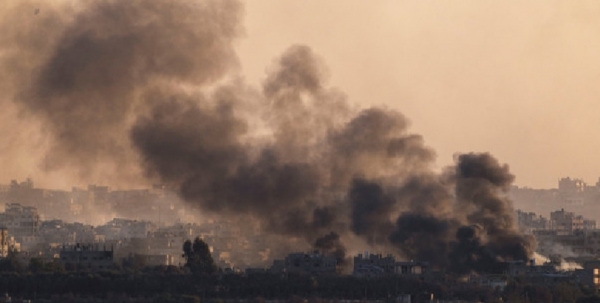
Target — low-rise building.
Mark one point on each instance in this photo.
(590, 274)
(411, 268)
(156, 260)
(309, 263)
(373, 265)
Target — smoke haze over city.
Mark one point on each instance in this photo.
(134, 93)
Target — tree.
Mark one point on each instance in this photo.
(198, 258)
(11, 263)
(38, 265)
(589, 299)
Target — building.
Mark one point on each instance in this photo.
(411, 268)
(530, 221)
(590, 274)
(309, 264)
(23, 223)
(4, 248)
(589, 224)
(7, 243)
(86, 257)
(373, 265)
(118, 229)
(577, 192)
(498, 282)
(156, 260)
(568, 186)
(565, 222)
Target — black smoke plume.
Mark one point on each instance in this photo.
(331, 244)
(150, 90)
(479, 234)
(371, 208)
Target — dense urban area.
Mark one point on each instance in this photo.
(204, 151)
(156, 249)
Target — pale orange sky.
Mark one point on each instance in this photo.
(516, 78)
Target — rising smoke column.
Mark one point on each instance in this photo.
(199, 144)
(480, 183)
(332, 245)
(371, 208)
(131, 88)
(479, 233)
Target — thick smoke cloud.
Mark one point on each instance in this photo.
(371, 208)
(425, 238)
(150, 90)
(331, 244)
(86, 88)
(479, 233)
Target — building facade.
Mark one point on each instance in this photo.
(86, 257)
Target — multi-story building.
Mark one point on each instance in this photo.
(126, 229)
(86, 257)
(23, 222)
(589, 224)
(565, 222)
(7, 243)
(577, 192)
(568, 186)
(530, 221)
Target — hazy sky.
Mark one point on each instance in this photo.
(516, 78)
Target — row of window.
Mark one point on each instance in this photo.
(86, 259)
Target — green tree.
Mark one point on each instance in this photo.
(198, 258)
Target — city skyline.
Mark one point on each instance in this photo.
(288, 137)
